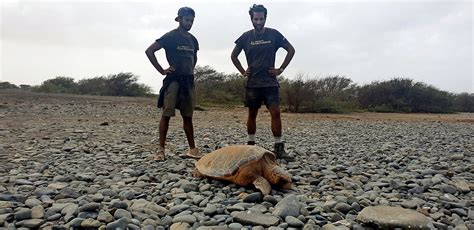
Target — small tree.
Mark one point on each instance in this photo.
(58, 85)
(7, 85)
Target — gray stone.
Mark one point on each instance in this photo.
(118, 224)
(288, 206)
(105, 217)
(189, 187)
(393, 217)
(253, 197)
(256, 219)
(342, 207)
(76, 222)
(32, 202)
(294, 222)
(54, 217)
(90, 223)
(119, 204)
(37, 212)
(180, 226)
(33, 223)
(236, 226)
(126, 194)
(87, 215)
(184, 218)
(90, 207)
(119, 213)
(334, 227)
(44, 191)
(210, 209)
(88, 177)
(462, 186)
(448, 189)
(23, 214)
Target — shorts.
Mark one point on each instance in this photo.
(173, 99)
(254, 97)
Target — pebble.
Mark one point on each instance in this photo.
(68, 170)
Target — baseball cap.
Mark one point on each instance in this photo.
(185, 11)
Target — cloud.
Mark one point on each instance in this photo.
(366, 41)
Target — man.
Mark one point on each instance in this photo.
(178, 86)
(260, 46)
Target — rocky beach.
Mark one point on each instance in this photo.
(84, 162)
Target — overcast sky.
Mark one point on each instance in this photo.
(366, 41)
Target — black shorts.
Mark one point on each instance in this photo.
(254, 97)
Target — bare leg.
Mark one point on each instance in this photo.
(189, 131)
(276, 120)
(164, 124)
(252, 121)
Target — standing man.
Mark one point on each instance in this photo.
(260, 46)
(178, 86)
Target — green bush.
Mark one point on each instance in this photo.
(58, 85)
(302, 94)
(121, 84)
(403, 95)
(8, 85)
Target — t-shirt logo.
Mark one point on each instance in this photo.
(185, 48)
(259, 42)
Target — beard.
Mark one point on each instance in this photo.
(258, 27)
(186, 27)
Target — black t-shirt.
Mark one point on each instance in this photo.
(260, 51)
(180, 51)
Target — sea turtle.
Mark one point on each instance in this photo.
(244, 165)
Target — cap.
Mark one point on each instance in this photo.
(185, 11)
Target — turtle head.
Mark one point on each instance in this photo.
(279, 177)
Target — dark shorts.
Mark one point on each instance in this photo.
(173, 101)
(254, 97)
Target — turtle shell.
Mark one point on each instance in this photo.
(226, 161)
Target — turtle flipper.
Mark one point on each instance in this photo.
(263, 185)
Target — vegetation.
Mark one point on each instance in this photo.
(301, 94)
(122, 84)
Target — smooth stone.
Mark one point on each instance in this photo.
(33, 223)
(342, 207)
(118, 224)
(294, 222)
(251, 218)
(120, 205)
(270, 199)
(462, 186)
(253, 197)
(393, 217)
(90, 223)
(210, 210)
(58, 185)
(105, 216)
(235, 226)
(334, 227)
(448, 189)
(23, 214)
(288, 206)
(184, 218)
(37, 212)
(120, 213)
(87, 215)
(32, 202)
(180, 226)
(89, 207)
(54, 217)
(189, 187)
(76, 222)
(44, 191)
